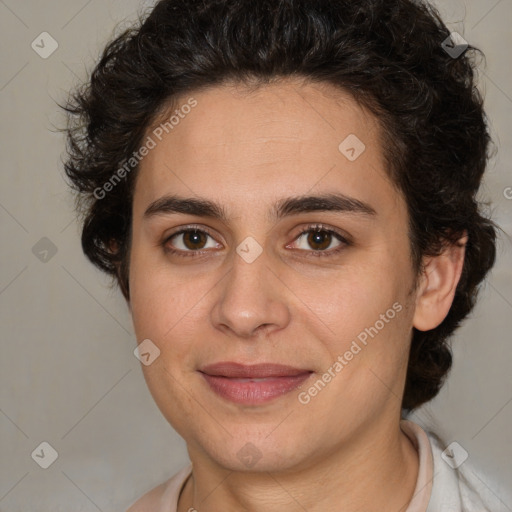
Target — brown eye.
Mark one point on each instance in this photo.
(194, 240)
(319, 240)
(189, 241)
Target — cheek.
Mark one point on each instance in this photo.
(363, 315)
(162, 306)
(152, 304)
(154, 296)
(347, 301)
(170, 308)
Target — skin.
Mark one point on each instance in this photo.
(343, 450)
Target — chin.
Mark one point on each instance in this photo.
(254, 451)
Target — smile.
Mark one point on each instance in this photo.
(254, 384)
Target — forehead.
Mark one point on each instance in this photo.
(235, 114)
(258, 144)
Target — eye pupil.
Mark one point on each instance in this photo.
(319, 237)
(193, 238)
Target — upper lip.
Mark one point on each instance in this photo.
(241, 371)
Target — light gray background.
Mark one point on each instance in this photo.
(69, 376)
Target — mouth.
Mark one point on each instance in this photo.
(253, 384)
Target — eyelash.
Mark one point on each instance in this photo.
(310, 228)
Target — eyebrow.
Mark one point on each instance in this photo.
(286, 207)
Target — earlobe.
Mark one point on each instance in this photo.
(438, 283)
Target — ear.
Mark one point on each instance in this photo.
(437, 286)
(113, 248)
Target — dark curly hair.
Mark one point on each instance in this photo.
(390, 55)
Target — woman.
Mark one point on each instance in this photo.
(285, 193)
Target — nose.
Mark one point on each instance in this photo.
(251, 300)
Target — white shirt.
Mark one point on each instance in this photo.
(439, 486)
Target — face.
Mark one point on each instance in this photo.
(320, 286)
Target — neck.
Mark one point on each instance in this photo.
(376, 471)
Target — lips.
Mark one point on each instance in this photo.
(252, 384)
(255, 371)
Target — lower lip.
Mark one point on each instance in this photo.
(243, 391)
